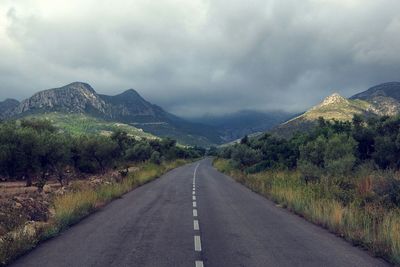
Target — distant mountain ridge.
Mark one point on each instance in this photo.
(7, 107)
(245, 122)
(383, 99)
(128, 107)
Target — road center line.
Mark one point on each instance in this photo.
(195, 171)
(196, 226)
(197, 243)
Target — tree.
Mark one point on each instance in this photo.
(155, 158)
(339, 156)
(100, 149)
(246, 156)
(27, 153)
(38, 125)
(60, 155)
(140, 152)
(122, 139)
(244, 140)
(8, 150)
(311, 161)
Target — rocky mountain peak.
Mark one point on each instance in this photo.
(74, 97)
(131, 92)
(333, 99)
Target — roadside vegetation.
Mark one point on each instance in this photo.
(91, 170)
(342, 175)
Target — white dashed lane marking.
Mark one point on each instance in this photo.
(197, 243)
(196, 225)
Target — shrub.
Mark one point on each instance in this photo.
(155, 158)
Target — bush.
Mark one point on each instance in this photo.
(339, 156)
(246, 156)
(139, 152)
(155, 158)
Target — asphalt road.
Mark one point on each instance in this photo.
(207, 221)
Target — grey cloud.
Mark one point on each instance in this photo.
(195, 57)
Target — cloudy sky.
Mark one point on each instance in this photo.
(201, 56)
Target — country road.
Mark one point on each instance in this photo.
(195, 216)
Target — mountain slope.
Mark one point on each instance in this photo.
(79, 123)
(7, 107)
(379, 100)
(333, 107)
(128, 107)
(385, 98)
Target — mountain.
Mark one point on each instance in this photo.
(385, 98)
(129, 108)
(236, 125)
(7, 107)
(379, 100)
(76, 97)
(332, 107)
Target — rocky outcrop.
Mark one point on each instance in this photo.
(334, 99)
(74, 98)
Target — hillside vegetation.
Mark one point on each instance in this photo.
(334, 107)
(342, 175)
(79, 124)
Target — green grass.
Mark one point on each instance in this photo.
(78, 124)
(372, 227)
(74, 206)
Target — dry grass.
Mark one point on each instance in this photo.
(371, 226)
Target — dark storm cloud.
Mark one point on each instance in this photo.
(199, 56)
